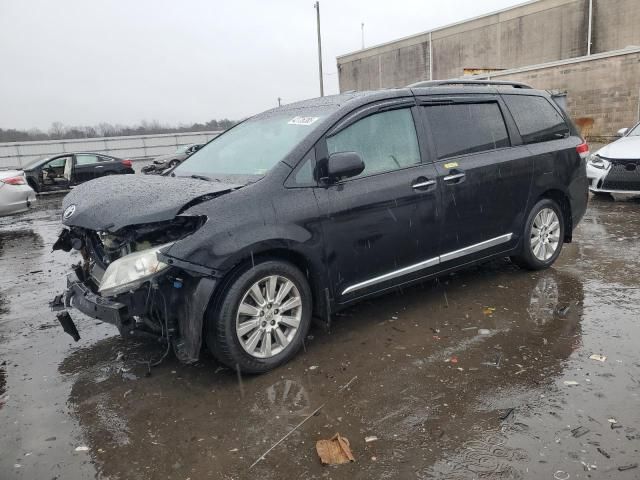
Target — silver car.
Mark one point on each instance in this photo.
(15, 194)
(615, 168)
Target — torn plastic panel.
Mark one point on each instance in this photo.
(168, 306)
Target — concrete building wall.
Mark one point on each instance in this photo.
(513, 38)
(532, 33)
(616, 24)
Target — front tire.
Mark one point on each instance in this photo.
(261, 318)
(543, 236)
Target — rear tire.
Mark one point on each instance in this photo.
(174, 163)
(543, 236)
(256, 325)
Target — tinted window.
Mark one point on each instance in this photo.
(385, 141)
(467, 128)
(86, 159)
(536, 118)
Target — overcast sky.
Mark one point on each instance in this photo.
(121, 61)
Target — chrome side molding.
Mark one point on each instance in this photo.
(492, 242)
(396, 273)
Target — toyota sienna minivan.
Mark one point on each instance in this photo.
(305, 209)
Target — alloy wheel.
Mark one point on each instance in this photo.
(269, 316)
(545, 234)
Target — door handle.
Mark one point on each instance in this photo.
(423, 183)
(454, 177)
(99, 166)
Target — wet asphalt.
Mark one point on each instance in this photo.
(482, 374)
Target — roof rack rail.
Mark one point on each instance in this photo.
(443, 83)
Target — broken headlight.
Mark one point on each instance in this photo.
(131, 271)
(597, 162)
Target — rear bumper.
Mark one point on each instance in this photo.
(16, 198)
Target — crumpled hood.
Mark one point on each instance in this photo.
(623, 148)
(113, 202)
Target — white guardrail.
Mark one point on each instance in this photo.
(135, 147)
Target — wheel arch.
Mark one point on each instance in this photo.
(301, 261)
(563, 201)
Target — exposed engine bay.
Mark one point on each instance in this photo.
(139, 307)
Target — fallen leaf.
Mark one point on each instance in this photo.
(335, 451)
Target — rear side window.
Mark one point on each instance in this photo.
(536, 118)
(86, 159)
(459, 129)
(385, 141)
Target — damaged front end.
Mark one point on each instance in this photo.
(124, 279)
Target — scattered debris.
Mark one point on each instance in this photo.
(604, 452)
(370, 439)
(469, 328)
(598, 357)
(484, 331)
(82, 448)
(335, 451)
(631, 466)
(313, 367)
(612, 420)
(579, 431)
(315, 412)
(562, 311)
(561, 475)
(570, 383)
(453, 359)
(67, 325)
(488, 310)
(507, 413)
(233, 450)
(615, 426)
(126, 393)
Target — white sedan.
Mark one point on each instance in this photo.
(15, 194)
(615, 168)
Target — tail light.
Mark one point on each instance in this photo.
(127, 163)
(583, 150)
(19, 180)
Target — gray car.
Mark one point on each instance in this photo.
(15, 193)
(172, 160)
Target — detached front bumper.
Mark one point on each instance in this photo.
(80, 297)
(179, 315)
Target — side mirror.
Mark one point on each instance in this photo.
(622, 132)
(343, 165)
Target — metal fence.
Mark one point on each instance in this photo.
(138, 147)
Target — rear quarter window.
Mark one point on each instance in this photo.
(537, 120)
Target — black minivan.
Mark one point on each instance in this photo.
(303, 210)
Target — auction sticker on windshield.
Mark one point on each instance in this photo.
(302, 120)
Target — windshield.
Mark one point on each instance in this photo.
(183, 148)
(250, 148)
(635, 131)
(34, 162)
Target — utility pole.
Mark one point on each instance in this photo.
(317, 7)
(279, 104)
(362, 28)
